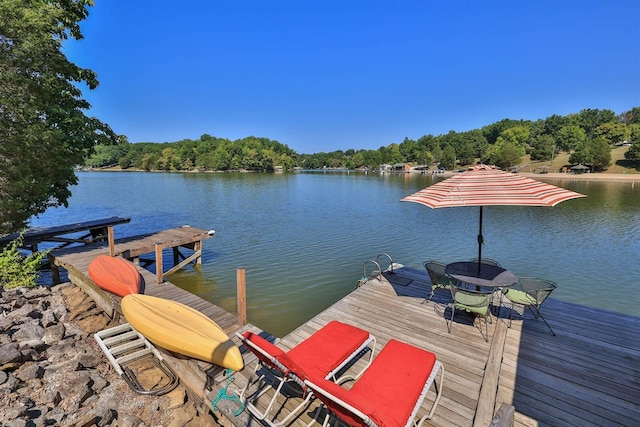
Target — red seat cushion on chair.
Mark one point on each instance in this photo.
(323, 351)
(393, 383)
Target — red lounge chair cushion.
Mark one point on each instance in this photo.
(389, 388)
(323, 351)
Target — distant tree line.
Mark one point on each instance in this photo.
(588, 136)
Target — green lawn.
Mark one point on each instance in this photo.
(618, 163)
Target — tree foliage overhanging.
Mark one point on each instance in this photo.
(44, 131)
(587, 135)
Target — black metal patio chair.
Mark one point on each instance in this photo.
(530, 292)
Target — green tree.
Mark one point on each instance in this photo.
(448, 158)
(613, 133)
(571, 138)
(595, 152)
(554, 123)
(43, 126)
(493, 131)
(633, 153)
(599, 152)
(631, 117)
(466, 153)
(590, 119)
(509, 147)
(542, 148)
(505, 154)
(477, 140)
(104, 155)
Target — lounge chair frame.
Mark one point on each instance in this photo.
(281, 375)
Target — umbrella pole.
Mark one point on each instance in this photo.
(480, 242)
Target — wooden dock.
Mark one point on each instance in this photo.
(195, 375)
(587, 375)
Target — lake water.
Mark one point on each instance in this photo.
(303, 238)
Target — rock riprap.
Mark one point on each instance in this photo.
(52, 371)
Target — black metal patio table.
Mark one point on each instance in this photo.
(479, 274)
(487, 278)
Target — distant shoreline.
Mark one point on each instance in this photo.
(622, 177)
(599, 176)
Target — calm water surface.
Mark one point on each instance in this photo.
(303, 238)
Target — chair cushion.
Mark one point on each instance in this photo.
(519, 297)
(394, 381)
(326, 349)
(474, 303)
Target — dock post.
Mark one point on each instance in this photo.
(242, 297)
(159, 275)
(111, 240)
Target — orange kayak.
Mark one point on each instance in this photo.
(116, 275)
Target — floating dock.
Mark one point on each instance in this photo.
(587, 375)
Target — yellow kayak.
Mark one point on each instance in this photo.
(181, 329)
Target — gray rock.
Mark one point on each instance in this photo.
(98, 382)
(129, 421)
(37, 292)
(55, 416)
(29, 371)
(18, 300)
(29, 331)
(3, 377)
(72, 401)
(51, 397)
(16, 411)
(19, 422)
(48, 319)
(73, 382)
(9, 353)
(31, 348)
(62, 348)
(27, 311)
(99, 416)
(9, 385)
(53, 332)
(106, 414)
(37, 415)
(83, 419)
(6, 323)
(89, 360)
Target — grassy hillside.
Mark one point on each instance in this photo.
(618, 163)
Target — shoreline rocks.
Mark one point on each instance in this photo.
(52, 371)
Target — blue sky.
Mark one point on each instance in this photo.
(333, 75)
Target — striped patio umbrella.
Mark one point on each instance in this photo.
(489, 186)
